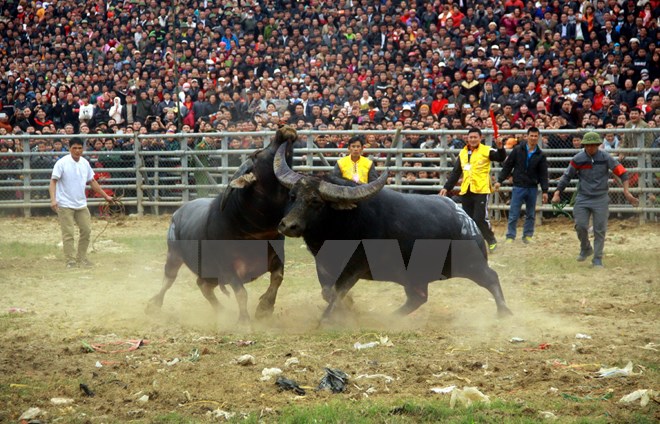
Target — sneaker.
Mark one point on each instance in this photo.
(527, 239)
(492, 246)
(508, 240)
(597, 263)
(86, 263)
(71, 264)
(584, 254)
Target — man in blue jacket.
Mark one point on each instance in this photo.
(591, 166)
(529, 167)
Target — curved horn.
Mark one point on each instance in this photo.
(339, 193)
(283, 172)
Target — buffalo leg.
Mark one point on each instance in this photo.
(336, 295)
(487, 278)
(172, 266)
(267, 300)
(207, 287)
(241, 299)
(417, 295)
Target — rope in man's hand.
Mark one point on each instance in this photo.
(110, 210)
(113, 208)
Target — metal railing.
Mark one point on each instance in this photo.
(151, 179)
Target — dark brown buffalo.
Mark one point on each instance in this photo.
(233, 239)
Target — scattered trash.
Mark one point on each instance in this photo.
(241, 343)
(291, 362)
(30, 414)
(173, 362)
(385, 341)
(643, 395)
(582, 336)
(443, 390)
(61, 401)
(194, 355)
(17, 311)
(553, 390)
(467, 397)
(143, 399)
(86, 390)
(651, 346)
(98, 364)
(542, 346)
(516, 340)
(547, 415)
(606, 396)
(334, 380)
(286, 384)
(204, 339)
(100, 347)
(245, 360)
(452, 375)
(219, 413)
(268, 373)
(387, 378)
(17, 386)
(616, 372)
(360, 346)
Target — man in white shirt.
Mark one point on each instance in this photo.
(70, 176)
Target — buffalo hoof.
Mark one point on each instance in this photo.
(504, 312)
(153, 307)
(264, 310)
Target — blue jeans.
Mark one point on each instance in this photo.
(519, 196)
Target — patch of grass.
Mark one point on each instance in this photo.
(23, 250)
(171, 418)
(397, 412)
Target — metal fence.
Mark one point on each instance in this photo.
(157, 173)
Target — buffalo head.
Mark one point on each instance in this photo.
(257, 170)
(309, 195)
(245, 175)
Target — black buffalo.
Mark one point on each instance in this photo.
(220, 239)
(389, 229)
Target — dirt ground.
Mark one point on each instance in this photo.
(62, 328)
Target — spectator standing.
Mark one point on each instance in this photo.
(473, 163)
(529, 167)
(354, 166)
(591, 166)
(67, 198)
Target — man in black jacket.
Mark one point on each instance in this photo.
(529, 167)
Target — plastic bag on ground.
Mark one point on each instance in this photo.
(268, 373)
(644, 396)
(467, 396)
(334, 380)
(286, 384)
(616, 372)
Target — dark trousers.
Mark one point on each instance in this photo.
(476, 206)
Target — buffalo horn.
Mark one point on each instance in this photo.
(339, 193)
(283, 172)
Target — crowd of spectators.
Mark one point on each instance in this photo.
(70, 66)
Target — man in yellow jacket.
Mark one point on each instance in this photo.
(356, 167)
(473, 164)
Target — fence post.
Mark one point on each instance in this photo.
(398, 161)
(138, 175)
(641, 181)
(310, 156)
(27, 180)
(156, 182)
(224, 146)
(185, 175)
